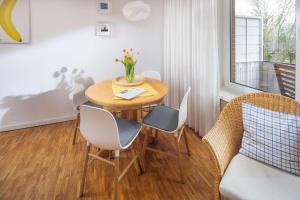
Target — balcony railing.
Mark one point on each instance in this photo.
(266, 76)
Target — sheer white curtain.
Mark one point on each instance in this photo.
(191, 58)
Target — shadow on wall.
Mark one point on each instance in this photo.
(48, 105)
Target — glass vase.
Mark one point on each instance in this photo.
(130, 75)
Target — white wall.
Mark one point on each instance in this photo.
(35, 78)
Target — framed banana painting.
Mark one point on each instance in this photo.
(14, 21)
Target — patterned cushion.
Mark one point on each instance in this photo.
(272, 137)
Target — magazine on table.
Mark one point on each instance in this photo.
(130, 93)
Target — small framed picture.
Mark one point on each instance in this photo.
(103, 29)
(104, 6)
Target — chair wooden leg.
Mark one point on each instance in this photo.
(141, 117)
(139, 146)
(186, 143)
(84, 170)
(155, 136)
(179, 160)
(109, 155)
(117, 166)
(136, 163)
(143, 155)
(76, 128)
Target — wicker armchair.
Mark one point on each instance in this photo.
(224, 139)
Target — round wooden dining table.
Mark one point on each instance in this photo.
(102, 94)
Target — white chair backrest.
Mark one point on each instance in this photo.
(183, 110)
(99, 128)
(78, 91)
(151, 74)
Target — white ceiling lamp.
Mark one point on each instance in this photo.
(136, 11)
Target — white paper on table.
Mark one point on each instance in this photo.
(130, 93)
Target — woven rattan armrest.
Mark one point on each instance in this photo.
(224, 139)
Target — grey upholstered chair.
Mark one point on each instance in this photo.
(107, 132)
(170, 121)
(151, 74)
(147, 108)
(78, 99)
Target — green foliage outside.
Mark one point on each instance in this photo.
(279, 28)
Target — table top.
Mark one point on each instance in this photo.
(102, 94)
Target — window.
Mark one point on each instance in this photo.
(263, 45)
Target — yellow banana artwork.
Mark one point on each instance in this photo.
(6, 22)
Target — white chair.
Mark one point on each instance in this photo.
(154, 75)
(170, 121)
(78, 99)
(105, 131)
(151, 74)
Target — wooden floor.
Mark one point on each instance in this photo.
(40, 163)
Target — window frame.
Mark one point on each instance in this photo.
(227, 61)
(297, 50)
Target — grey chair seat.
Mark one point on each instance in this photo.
(88, 103)
(128, 130)
(162, 117)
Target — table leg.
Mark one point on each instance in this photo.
(130, 114)
(124, 114)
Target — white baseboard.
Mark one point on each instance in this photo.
(36, 123)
